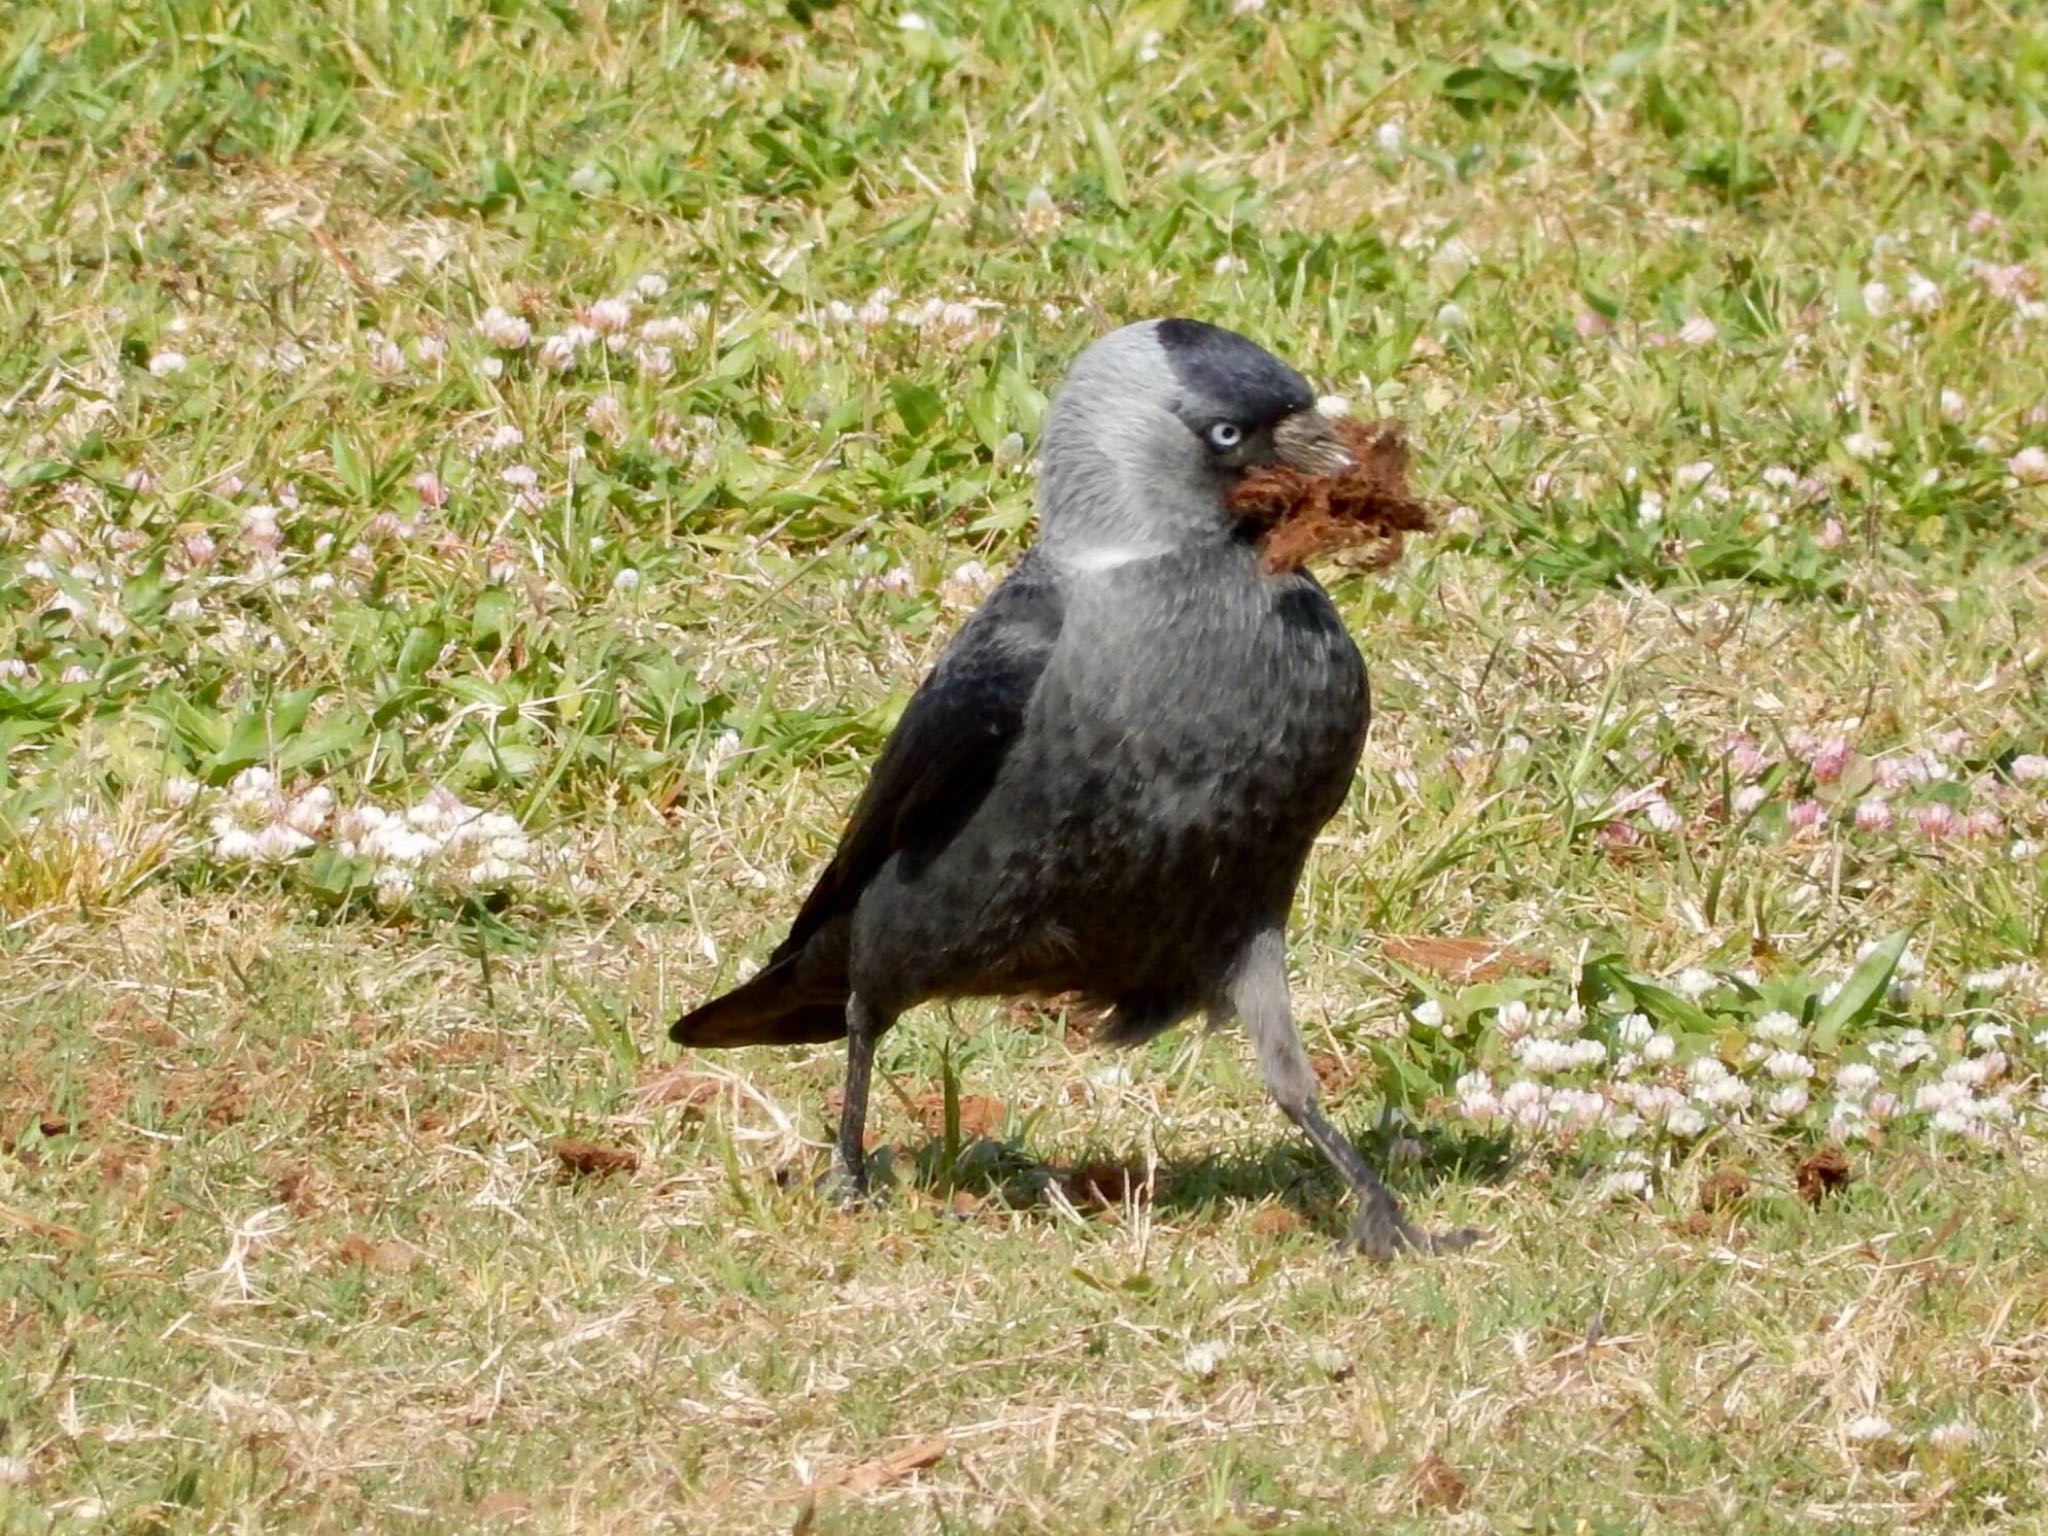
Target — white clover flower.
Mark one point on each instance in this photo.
(1694, 983)
(1449, 263)
(557, 354)
(235, 846)
(166, 364)
(1662, 815)
(180, 792)
(1391, 139)
(1690, 476)
(252, 783)
(307, 813)
(1512, 1020)
(1865, 447)
(1788, 1066)
(1633, 1029)
(650, 286)
(1429, 1013)
(1451, 318)
(1206, 1358)
(1776, 1025)
(966, 584)
(1951, 1436)
(1628, 1183)
(1975, 1071)
(506, 331)
(608, 316)
(1480, 1106)
(626, 582)
(393, 842)
(394, 886)
(606, 416)
(279, 842)
(1684, 1121)
(1912, 1049)
(1042, 217)
(1730, 1095)
(1659, 1048)
(1954, 407)
(1877, 298)
(1868, 1430)
(1854, 1079)
(1923, 297)
(488, 873)
(1787, 1102)
(2029, 466)
(1699, 331)
(383, 358)
(1986, 1035)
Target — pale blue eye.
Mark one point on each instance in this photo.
(1225, 435)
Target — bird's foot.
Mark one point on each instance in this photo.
(1380, 1232)
(847, 1188)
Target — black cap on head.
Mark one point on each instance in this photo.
(1236, 374)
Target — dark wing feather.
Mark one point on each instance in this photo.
(946, 750)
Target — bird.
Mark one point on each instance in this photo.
(1109, 782)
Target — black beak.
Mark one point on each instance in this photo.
(1308, 442)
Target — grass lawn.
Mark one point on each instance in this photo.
(477, 483)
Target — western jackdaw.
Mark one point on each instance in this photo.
(1110, 781)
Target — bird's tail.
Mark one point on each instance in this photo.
(771, 1009)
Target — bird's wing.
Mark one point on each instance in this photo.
(946, 750)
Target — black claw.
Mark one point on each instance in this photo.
(848, 1191)
(1380, 1234)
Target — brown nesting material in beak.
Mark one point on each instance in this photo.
(1339, 485)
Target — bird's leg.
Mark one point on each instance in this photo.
(849, 1157)
(1259, 993)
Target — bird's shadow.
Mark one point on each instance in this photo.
(1202, 1189)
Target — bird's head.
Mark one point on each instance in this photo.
(1154, 425)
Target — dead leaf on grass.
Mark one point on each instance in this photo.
(681, 1089)
(1722, 1188)
(584, 1158)
(54, 1231)
(1333, 1072)
(390, 1257)
(300, 1188)
(1434, 1483)
(1107, 1186)
(1275, 1221)
(1825, 1172)
(980, 1114)
(880, 1472)
(1463, 961)
(503, 1506)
